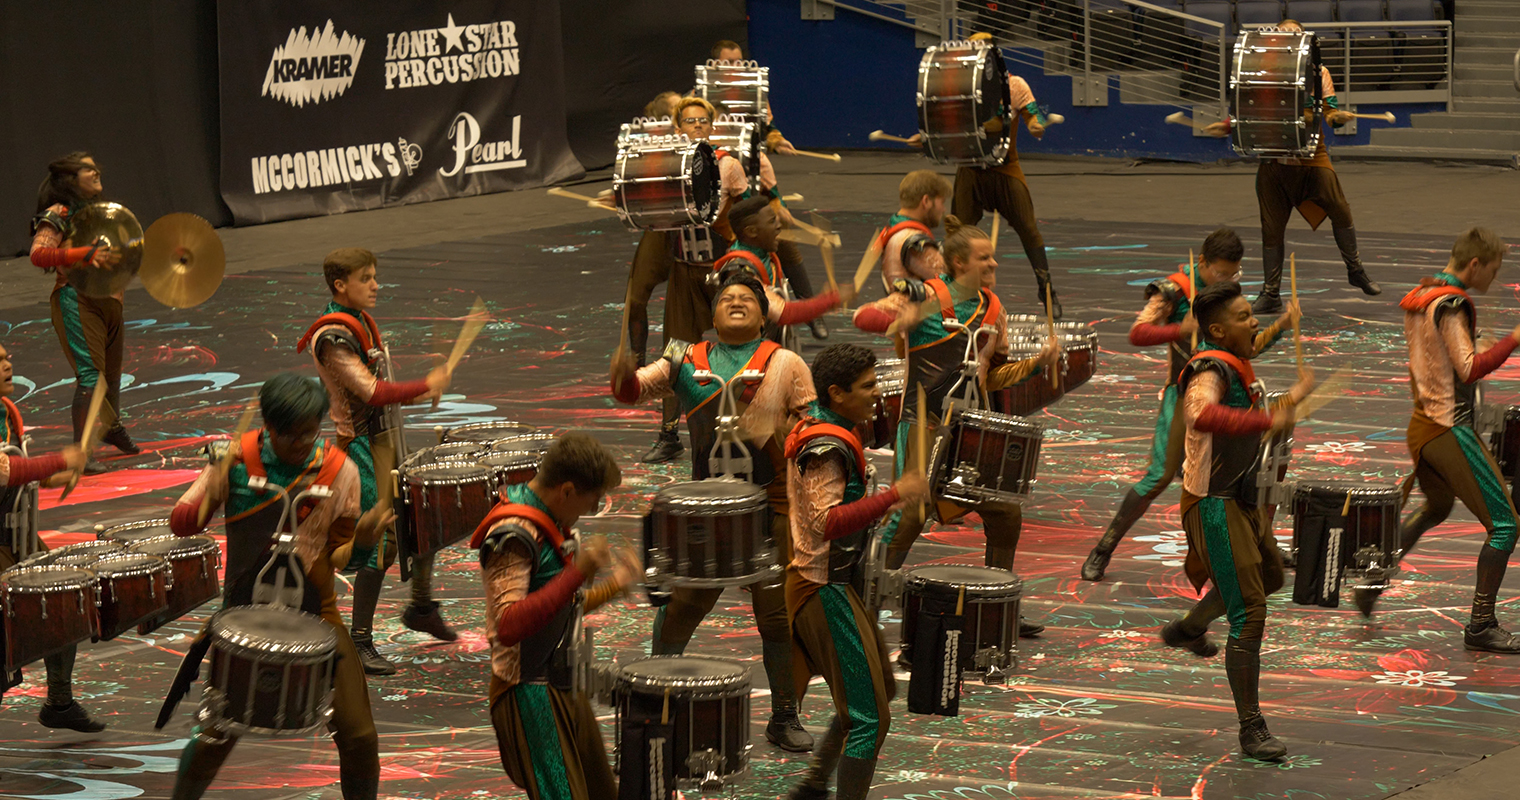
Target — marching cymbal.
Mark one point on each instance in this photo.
(182, 260)
(111, 225)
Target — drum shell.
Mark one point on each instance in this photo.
(694, 544)
(254, 687)
(42, 619)
(192, 579)
(132, 595)
(986, 456)
(510, 468)
(1272, 80)
(735, 88)
(442, 511)
(991, 612)
(712, 716)
(131, 533)
(666, 183)
(962, 86)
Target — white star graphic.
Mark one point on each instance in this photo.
(451, 35)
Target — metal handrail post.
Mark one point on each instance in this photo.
(1224, 83)
(1087, 42)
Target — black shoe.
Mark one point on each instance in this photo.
(1268, 303)
(1172, 635)
(424, 618)
(806, 792)
(374, 663)
(1490, 639)
(1029, 630)
(1288, 559)
(118, 438)
(72, 716)
(1365, 599)
(1258, 742)
(820, 329)
(1055, 303)
(666, 448)
(93, 467)
(1361, 280)
(1095, 565)
(786, 732)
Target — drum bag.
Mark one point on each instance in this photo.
(657, 597)
(646, 760)
(1318, 529)
(935, 687)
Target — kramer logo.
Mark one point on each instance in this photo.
(310, 68)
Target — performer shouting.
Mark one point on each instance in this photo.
(768, 408)
(550, 744)
(19, 479)
(1166, 319)
(1450, 461)
(756, 227)
(287, 452)
(1311, 186)
(1004, 190)
(908, 247)
(89, 328)
(1229, 541)
(345, 345)
(956, 306)
(688, 299)
(832, 519)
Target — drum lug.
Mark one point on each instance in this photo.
(707, 761)
(992, 663)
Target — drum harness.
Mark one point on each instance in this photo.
(20, 518)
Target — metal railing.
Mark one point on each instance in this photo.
(1387, 61)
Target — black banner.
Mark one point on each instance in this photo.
(331, 106)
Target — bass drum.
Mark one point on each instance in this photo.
(1274, 82)
(664, 183)
(963, 104)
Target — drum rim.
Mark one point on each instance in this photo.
(476, 426)
(1012, 587)
(410, 476)
(752, 500)
(197, 545)
(523, 457)
(8, 587)
(1356, 489)
(130, 526)
(547, 439)
(1014, 423)
(715, 687)
(244, 643)
(102, 567)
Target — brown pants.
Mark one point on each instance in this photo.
(651, 267)
(1455, 465)
(1281, 188)
(1232, 546)
(353, 732)
(688, 315)
(839, 638)
(90, 331)
(676, 622)
(977, 189)
(530, 720)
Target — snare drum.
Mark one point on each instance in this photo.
(741, 139)
(666, 183)
(271, 672)
(46, 609)
(193, 561)
(709, 534)
(80, 554)
(962, 93)
(985, 456)
(444, 502)
(709, 713)
(1504, 441)
(990, 631)
(1272, 465)
(1359, 549)
(485, 433)
(1273, 83)
(134, 587)
(738, 88)
(645, 127)
(131, 533)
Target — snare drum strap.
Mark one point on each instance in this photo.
(808, 430)
(759, 361)
(1184, 283)
(545, 524)
(907, 224)
(368, 334)
(331, 459)
(988, 307)
(1242, 368)
(754, 261)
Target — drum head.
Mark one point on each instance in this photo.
(685, 671)
(980, 580)
(83, 554)
(714, 495)
(526, 443)
(439, 452)
(128, 564)
(173, 547)
(510, 460)
(1337, 490)
(46, 577)
(993, 421)
(447, 472)
(270, 629)
(487, 432)
(137, 531)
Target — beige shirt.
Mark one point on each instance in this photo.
(781, 399)
(810, 495)
(344, 374)
(507, 576)
(1205, 388)
(1438, 355)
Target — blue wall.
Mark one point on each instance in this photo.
(835, 81)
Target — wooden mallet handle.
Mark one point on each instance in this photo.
(883, 136)
(1179, 118)
(825, 156)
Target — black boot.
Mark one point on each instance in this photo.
(370, 658)
(1029, 630)
(855, 775)
(1054, 309)
(1365, 600)
(1356, 275)
(638, 332)
(785, 729)
(367, 584)
(60, 710)
(1242, 665)
(424, 618)
(1131, 509)
(1174, 635)
(118, 438)
(819, 328)
(1270, 301)
(1483, 632)
(666, 448)
(815, 783)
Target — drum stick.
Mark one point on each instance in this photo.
(1054, 119)
(922, 440)
(868, 260)
(826, 251)
(1050, 329)
(86, 441)
(1179, 118)
(825, 156)
(883, 136)
(1298, 342)
(799, 236)
(473, 322)
(1333, 387)
(821, 233)
(1346, 509)
(1386, 116)
(439, 432)
(994, 236)
(791, 198)
(224, 463)
(665, 711)
(960, 602)
(1193, 280)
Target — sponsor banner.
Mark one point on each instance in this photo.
(332, 106)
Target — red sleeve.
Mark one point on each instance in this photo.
(391, 392)
(1492, 358)
(799, 311)
(1145, 335)
(528, 615)
(1220, 418)
(847, 518)
(182, 520)
(628, 392)
(873, 320)
(29, 470)
(52, 257)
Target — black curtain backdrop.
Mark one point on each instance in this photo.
(136, 84)
(133, 83)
